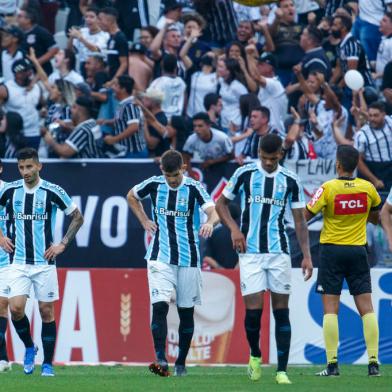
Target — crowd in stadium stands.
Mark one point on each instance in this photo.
(209, 78)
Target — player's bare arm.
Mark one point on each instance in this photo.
(6, 243)
(301, 230)
(137, 208)
(386, 214)
(212, 220)
(73, 228)
(237, 238)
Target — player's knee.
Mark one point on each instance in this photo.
(160, 309)
(47, 313)
(3, 307)
(17, 311)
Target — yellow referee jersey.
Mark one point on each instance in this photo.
(345, 204)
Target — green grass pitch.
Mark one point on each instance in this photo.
(210, 379)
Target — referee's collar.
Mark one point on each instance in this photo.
(345, 178)
(273, 174)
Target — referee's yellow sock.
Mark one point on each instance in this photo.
(331, 336)
(370, 330)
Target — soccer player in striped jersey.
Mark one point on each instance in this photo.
(266, 190)
(33, 203)
(4, 265)
(173, 258)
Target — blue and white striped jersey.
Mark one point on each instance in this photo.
(34, 217)
(176, 213)
(5, 223)
(264, 198)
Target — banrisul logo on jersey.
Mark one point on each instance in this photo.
(22, 216)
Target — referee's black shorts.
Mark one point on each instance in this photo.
(339, 262)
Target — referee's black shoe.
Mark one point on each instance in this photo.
(332, 370)
(373, 369)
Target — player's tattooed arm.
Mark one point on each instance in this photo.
(74, 226)
(301, 230)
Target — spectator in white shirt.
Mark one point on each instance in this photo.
(213, 147)
(172, 86)
(11, 39)
(231, 87)
(272, 93)
(202, 83)
(64, 62)
(87, 39)
(384, 54)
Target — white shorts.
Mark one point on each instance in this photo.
(267, 271)
(43, 278)
(165, 279)
(4, 286)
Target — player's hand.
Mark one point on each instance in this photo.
(307, 268)
(206, 230)
(239, 241)
(7, 244)
(150, 226)
(378, 184)
(53, 251)
(109, 139)
(278, 13)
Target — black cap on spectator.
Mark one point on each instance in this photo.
(172, 5)
(138, 48)
(14, 31)
(22, 65)
(268, 58)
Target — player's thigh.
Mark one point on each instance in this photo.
(19, 282)
(162, 281)
(358, 271)
(279, 301)
(4, 290)
(189, 286)
(278, 268)
(252, 275)
(45, 282)
(331, 270)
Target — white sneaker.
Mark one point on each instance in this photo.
(4, 366)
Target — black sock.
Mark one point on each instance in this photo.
(159, 328)
(22, 328)
(283, 337)
(185, 332)
(48, 336)
(3, 347)
(252, 328)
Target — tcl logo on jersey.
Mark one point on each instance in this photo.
(350, 204)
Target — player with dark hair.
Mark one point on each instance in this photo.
(266, 191)
(33, 203)
(347, 204)
(173, 258)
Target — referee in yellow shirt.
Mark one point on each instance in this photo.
(347, 204)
